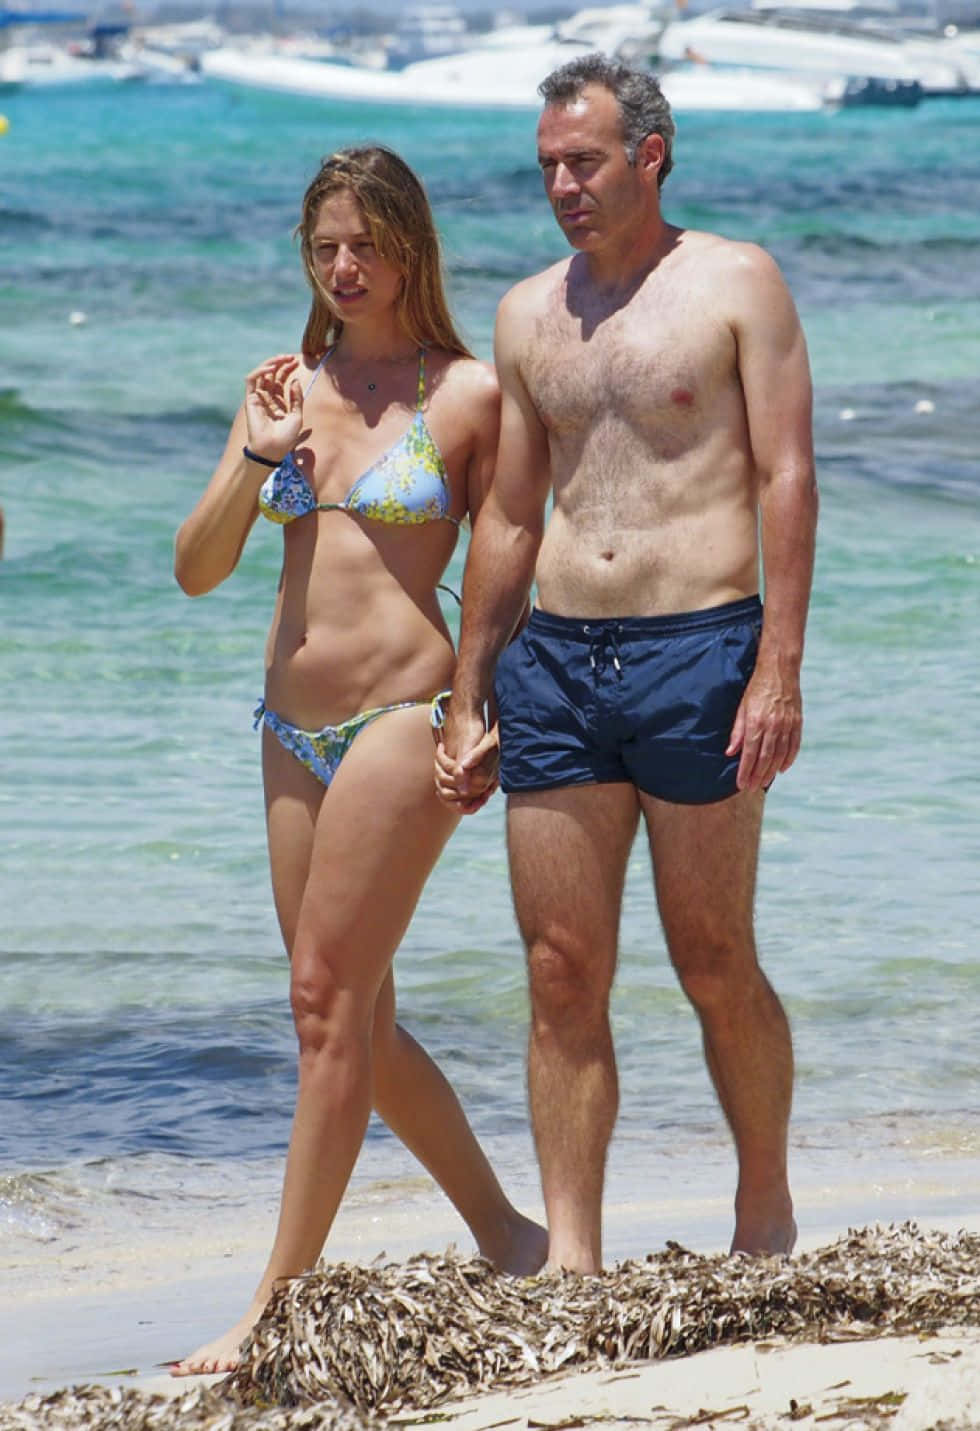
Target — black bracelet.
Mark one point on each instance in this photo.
(262, 461)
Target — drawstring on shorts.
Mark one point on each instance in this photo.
(604, 639)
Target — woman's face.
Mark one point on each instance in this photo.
(357, 281)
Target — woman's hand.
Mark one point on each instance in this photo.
(467, 778)
(274, 406)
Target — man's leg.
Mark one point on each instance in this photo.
(568, 851)
(705, 859)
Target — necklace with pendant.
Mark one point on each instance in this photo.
(373, 387)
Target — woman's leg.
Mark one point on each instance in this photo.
(379, 833)
(348, 867)
(418, 1104)
(293, 798)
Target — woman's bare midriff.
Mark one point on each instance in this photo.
(363, 629)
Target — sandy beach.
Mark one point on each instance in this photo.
(839, 1384)
(907, 1383)
(107, 1318)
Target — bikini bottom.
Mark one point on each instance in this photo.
(321, 751)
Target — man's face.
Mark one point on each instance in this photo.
(593, 189)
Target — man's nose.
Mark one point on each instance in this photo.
(563, 181)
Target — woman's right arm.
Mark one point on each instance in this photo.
(211, 539)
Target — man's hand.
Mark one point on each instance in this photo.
(768, 726)
(467, 756)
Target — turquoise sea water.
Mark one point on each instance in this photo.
(145, 1039)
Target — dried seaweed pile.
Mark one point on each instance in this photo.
(203, 1408)
(434, 1328)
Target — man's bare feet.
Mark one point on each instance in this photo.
(220, 1356)
(765, 1239)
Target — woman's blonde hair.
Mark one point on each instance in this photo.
(403, 231)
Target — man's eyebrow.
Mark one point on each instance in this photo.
(567, 154)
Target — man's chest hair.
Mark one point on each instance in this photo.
(635, 366)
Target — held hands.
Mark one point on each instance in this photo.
(274, 406)
(768, 725)
(467, 757)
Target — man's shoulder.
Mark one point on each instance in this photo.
(531, 295)
(735, 278)
(720, 257)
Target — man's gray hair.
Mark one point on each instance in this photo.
(642, 105)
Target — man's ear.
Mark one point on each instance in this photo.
(650, 154)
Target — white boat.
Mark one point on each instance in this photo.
(700, 89)
(925, 49)
(502, 69)
(489, 78)
(479, 75)
(933, 54)
(183, 40)
(107, 52)
(630, 31)
(41, 63)
(781, 40)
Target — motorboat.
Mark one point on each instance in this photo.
(41, 63)
(493, 78)
(880, 19)
(107, 52)
(629, 31)
(502, 68)
(803, 43)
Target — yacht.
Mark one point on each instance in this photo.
(629, 31)
(494, 78)
(29, 58)
(502, 69)
(801, 42)
(32, 62)
(920, 40)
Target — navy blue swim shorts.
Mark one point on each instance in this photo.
(648, 700)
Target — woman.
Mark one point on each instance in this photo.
(369, 447)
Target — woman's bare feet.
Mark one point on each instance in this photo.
(522, 1248)
(220, 1356)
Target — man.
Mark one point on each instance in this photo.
(657, 384)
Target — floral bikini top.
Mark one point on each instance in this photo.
(405, 487)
